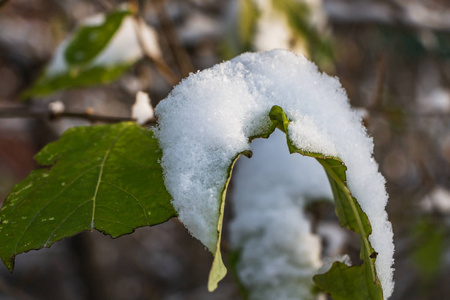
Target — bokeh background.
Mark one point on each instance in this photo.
(392, 57)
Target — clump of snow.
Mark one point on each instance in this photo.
(56, 107)
(207, 120)
(124, 47)
(278, 253)
(142, 109)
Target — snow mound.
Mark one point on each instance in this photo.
(208, 118)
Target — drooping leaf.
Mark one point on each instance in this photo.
(218, 269)
(100, 177)
(355, 282)
(350, 216)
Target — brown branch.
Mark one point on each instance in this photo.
(179, 51)
(158, 62)
(23, 112)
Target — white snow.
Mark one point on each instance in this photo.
(207, 120)
(270, 191)
(142, 109)
(56, 107)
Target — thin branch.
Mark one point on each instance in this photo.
(179, 51)
(23, 112)
(159, 63)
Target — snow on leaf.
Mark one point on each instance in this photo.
(102, 48)
(210, 118)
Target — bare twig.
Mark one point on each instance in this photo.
(181, 56)
(23, 112)
(159, 63)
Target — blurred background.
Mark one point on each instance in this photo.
(392, 57)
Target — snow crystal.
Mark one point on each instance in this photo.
(270, 191)
(208, 119)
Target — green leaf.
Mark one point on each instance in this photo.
(75, 78)
(348, 283)
(218, 269)
(90, 40)
(350, 216)
(79, 55)
(100, 177)
(341, 281)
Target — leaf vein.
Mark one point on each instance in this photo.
(134, 197)
(65, 220)
(50, 202)
(100, 175)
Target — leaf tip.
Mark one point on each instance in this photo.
(9, 262)
(217, 273)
